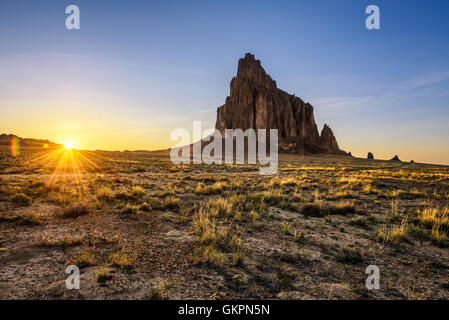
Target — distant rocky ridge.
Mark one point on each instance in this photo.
(5, 139)
(255, 102)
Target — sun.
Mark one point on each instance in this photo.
(68, 145)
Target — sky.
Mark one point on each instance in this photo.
(136, 70)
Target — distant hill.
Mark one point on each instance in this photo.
(5, 139)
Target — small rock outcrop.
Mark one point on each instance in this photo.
(395, 158)
(255, 102)
(370, 156)
(328, 142)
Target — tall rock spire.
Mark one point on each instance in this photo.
(256, 102)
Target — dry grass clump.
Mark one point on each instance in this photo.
(9, 218)
(395, 214)
(368, 189)
(254, 216)
(358, 221)
(173, 189)
(74, 211)
(130, 209)
(122, 194)
(170, 202)
(298, 235)
(342, 208)
(343, 194)
(84, 258)
(123, 259)
(438, 220)
(312, 210)
(273, 197)
(415, 193)
(393, 193)
(289, 182)
(220, 206)
(201, 188)
(319, 210)
(207, 255)
(438, 235)
(65, 199)
(137, 191)
(205, 226)
(214, 239)
(393, 235)
(65, 241)
(145, 207)
(286, 227)
(104, 194)
(274, 182)
(184, 214)
(227, 240)
(30, 219)
(403, 194)
(103, 275)
(160, 291)
(351, 181)
(235, 183)
(216, 188)
(238, 254)
(21, 199)
(434, 217)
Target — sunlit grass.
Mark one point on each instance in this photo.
(393, 235)
(434, 217)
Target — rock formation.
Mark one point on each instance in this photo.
(395, 158)
(256, 102)
(370, 156)
(328, 142)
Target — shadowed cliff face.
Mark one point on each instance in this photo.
(256, 102)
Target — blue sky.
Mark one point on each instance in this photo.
(138, 69)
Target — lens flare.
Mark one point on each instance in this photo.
(15, 146)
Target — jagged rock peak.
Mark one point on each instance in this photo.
(328, 141)
(250, 69)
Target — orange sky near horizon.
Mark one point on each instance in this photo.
(107, 137)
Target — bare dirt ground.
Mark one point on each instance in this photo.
(140, 227)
